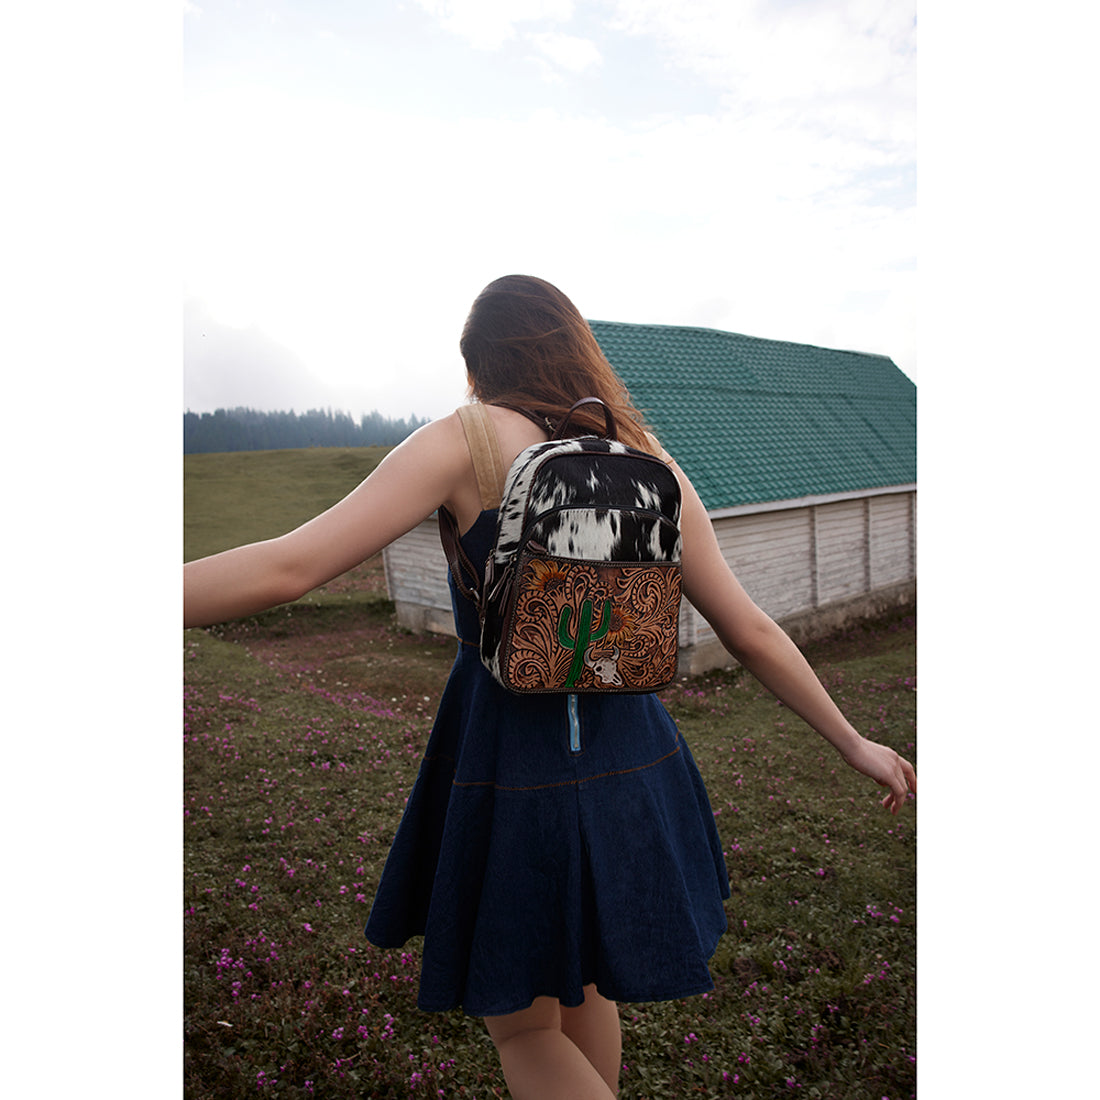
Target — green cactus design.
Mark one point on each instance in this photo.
(585, 636)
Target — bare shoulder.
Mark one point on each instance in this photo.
(434, 458)
(442, 439)
(441, 429)
(658, 450)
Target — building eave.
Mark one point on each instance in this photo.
(810, 501)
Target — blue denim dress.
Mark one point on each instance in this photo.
(541, 851)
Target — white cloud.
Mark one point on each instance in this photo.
(488, 24)
(834, 67)
(566, 51)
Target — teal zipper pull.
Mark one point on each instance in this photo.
(574, 723)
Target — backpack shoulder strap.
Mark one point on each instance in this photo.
(481, 438)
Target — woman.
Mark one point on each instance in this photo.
(549, 877)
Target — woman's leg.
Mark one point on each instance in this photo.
(594, 1029)
(540, 1062)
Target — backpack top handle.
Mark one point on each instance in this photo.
(610, 431)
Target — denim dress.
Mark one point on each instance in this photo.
(549, 842)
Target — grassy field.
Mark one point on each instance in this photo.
(303, 729)
(229, 499)
(232, 499)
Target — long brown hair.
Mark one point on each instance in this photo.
(526, 345)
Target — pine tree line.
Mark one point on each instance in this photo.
(242, 429)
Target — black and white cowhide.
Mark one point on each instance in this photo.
(592, 499)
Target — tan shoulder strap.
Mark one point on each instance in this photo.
(481, 438)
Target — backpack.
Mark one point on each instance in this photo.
(581, 591)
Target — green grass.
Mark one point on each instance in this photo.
(303, 733)
(246, 496)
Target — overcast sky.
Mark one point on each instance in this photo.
(355, 173)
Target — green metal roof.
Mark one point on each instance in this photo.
(754, 420)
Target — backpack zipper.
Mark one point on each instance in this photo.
(574, 723)
(573, 506)
(527, 542)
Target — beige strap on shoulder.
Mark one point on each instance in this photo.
(481, 438)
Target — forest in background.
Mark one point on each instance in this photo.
(243, 429)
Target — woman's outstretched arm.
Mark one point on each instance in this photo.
(751, 636)
(407, 486)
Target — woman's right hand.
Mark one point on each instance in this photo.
(886, 768)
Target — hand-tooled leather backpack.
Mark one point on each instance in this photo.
(581, 591)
